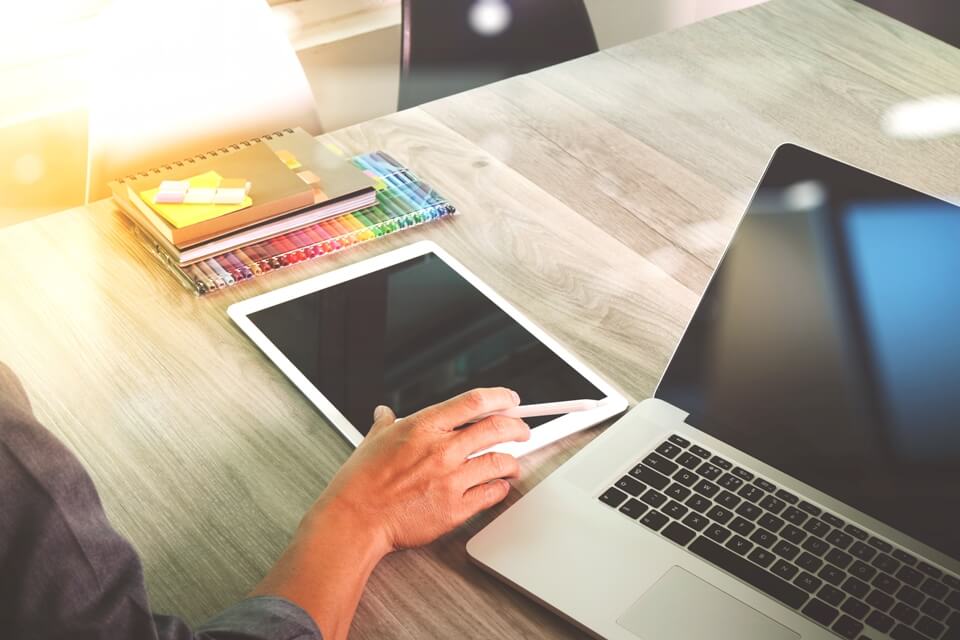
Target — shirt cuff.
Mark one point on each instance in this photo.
(264, 618)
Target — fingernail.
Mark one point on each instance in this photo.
(516, 396)
(378, 412)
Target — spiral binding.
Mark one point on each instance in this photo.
(212, 153)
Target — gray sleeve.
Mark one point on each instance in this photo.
(66, 572)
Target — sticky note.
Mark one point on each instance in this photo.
(288, 159)
(231, 191)
(183, 215)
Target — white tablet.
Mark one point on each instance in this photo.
(411, 328)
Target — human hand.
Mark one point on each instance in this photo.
(412, 480)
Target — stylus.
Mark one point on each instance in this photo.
(545, 409)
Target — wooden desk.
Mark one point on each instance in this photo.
(597, 196)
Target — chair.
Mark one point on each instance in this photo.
(176, 79)
(450, 46)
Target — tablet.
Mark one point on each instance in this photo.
(411, 328)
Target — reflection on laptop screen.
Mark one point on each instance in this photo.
(828, 343)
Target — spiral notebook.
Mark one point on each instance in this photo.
(402, 201)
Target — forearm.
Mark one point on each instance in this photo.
(326, 567)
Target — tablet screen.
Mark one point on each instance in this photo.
(412, 335)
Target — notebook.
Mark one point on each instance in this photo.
(315, 178)
(403, 201)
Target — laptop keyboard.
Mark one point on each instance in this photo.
(857, 585)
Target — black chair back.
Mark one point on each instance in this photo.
(450, 46)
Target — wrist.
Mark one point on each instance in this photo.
(359, 530)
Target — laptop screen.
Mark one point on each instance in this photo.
(828, 343)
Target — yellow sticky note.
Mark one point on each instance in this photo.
(288, 159)
(184, 214)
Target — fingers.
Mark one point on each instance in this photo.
(489, 432)
(383, 416)
(490, 466)
(484, 496)
(450, 414)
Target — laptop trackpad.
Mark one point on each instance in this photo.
(681, 605)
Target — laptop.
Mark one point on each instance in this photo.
(797, 472)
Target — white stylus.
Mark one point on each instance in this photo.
(544, 409)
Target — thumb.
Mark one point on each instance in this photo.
(382, 416)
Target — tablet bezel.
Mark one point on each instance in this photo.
(613, 403)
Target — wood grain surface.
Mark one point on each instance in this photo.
(597, 196)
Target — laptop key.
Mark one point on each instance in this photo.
(905, 557)
(817, 527)
(750, 492)
(794, 516)
(910, 595)
(793, 534)
(821, 612)
(953, 600)
(904, 613)
(766, 485)
(750, 573)
(808, 582)
(903, 632)
(934, 588)
(742, 473)
(772, 504)
(688, 460)
(678, 491)
(739, 544)
(847, 627)
(763, 538)
(784, 569)
(678, 533)
(770, 522)
(855, 608)
(717, 533)
(812, 509)
(761, 556)
(631, 485)
(838, 558)
(786, 496)
(658, 463)
(730, 482)
(685, 477)
(698, 503)
(749, 511)
(696, 521)
(885, 563)
(654, 520)
(668, 450)
(832, 520)
(862, 551)
(648, 476)
(951, 581)
(880, 600)
(706, 488)
(786, 550)
(675, 510)
(910, 576)
(816, 546)
(710, 471)
(839, 539)
(880, 621)
(700, 451)
(633, 508)
(862, 571)
(883, 545)
(856, 532)
(613, 497)
(719, 514)
(831, 595)
(856, 587)
(654, 498)
(683, 443)
(831, 574)
(742, 526)
(727, 499)
(929, 626)
(886, 583)
(720, 462)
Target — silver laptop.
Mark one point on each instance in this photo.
(797, 472)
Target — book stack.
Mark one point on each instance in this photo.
(209, 242)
